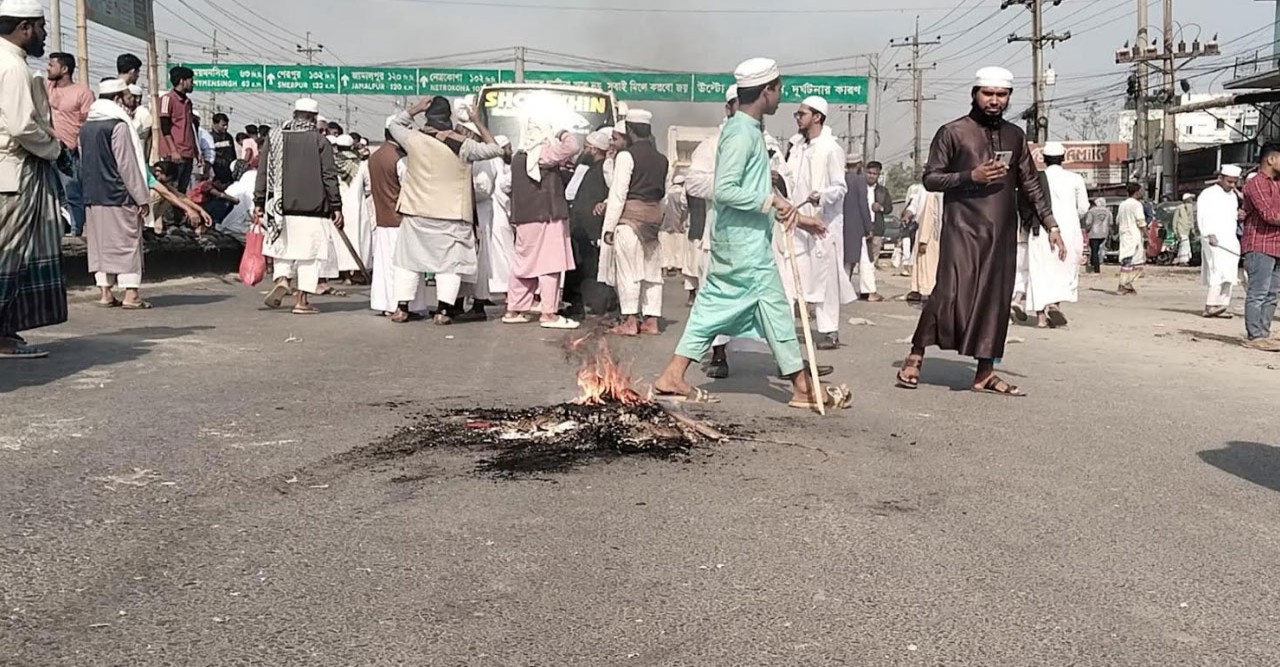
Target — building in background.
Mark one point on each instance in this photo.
(1200, 128)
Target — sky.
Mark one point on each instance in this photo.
(804, 36)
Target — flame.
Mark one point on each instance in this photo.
(602, 380)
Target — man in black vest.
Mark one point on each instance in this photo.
(632, 220)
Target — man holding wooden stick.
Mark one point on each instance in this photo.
(743, 293)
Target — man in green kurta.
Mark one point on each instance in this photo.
(743, 295)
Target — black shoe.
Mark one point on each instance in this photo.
(828, 342)
(718, 370)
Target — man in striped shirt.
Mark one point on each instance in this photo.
(1261, 248)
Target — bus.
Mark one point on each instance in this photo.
(507, 108)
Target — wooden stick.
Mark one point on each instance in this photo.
(347, 242)
(814, 382)
(694, 424)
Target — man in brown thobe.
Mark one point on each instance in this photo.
(983, 165)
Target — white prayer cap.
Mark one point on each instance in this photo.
(193, 113)
(112, 87)
(1054, 149)
(600, 139)
(816, 103)
(471, 127)
(344, 141)
(1230, 171)
(620, 128)
(639, 116)
(21, 9)
(731, 95)
(135, 89)
(1188, 196)
(993, 77)
(331, 139)
(307, 105)
(756, 72)
(502, 140)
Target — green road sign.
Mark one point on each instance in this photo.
(836, 89)
(628, 86)
(378, 81)
(401, 81)
(229, 78)
(302, 79)
(711, 87)
(456, 82)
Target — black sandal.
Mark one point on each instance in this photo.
(906, 382)
(996, 385)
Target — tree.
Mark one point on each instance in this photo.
(898, 177)
(1090, 123)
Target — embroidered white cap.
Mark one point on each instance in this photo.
(135, 89)
(600, 139)
(307, 105)
(816, 103)
(21, 9)
(344, 141)
(112, 87)
(1230, 171)
(639, 116)
(756, 72)
(993, 77)
(731, 95)
(1054, 149)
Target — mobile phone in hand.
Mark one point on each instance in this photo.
(1004, 157)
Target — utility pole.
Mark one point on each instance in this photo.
(1037, 115)
(347, 109)
(869, 141)
(82, 40)
(520, 57)
(917, 98)
(310, 51)
(1143, 53)
(214, 52)
(55, 20)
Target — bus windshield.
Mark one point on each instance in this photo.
(508, 108)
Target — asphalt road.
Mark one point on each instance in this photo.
(170, 496)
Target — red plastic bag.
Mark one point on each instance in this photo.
(253, 266)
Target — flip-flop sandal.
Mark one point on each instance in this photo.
(617, 331)
(837, 398)
(400, 317)
(560, 323)
(330, 291)
(115, 303)
(717, 371)
(442, 320)
(699, 396)
(910, 383)
(306, 310)
(24, 352)
(996, 385)
(275, 298)
(140, 305)
(1056, 318)
(1019, 313)
(1217, 313)
(518, 319)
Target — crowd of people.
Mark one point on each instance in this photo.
(558, 225)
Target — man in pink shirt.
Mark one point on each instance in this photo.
(70, 102)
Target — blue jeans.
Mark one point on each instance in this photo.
(73, 195)
(1260, 301)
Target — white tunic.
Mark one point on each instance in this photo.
(1130, 219)
(356, 225)
(818, 166)
(502, 235)
(1216, 215)
(1051, 280)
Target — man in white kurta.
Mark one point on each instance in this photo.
(816, 163)
(1052, 281)
(1131, 221)
(357, 227)
(1217, 215)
